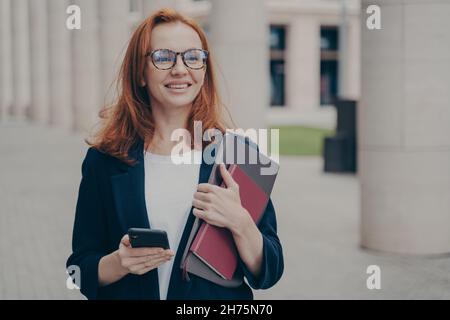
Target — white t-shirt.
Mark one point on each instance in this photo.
(169, 190)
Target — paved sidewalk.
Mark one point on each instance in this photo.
(318, 216)
(40, 171)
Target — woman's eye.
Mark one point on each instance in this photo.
(192, 57)
(163, 57)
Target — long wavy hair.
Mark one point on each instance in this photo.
(130, 118)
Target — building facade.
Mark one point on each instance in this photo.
(300, 54)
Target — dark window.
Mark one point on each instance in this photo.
(277, 83)
(328, 81)
(329, 61)
(329, 38)
(277, 37)
(277, 58)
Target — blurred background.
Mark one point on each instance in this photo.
(363, 114)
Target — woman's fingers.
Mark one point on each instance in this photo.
(141, 260)
(203, 196)
(127, 262)
(207, 187)
(139, 252)
(200, 214)
(147, 266)
(156, 262)
(210, 217)
(227, 178)
(201, 204)
(125, 240)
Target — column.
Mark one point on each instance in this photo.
(60, 71)
(404, 116)
(21, 58)
(87, 98)
(6, 74)
(343, 62)
(114, 35)
(303, 64)
(238, 34)
(353, 80)
(39, 63)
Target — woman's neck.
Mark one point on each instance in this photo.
(167, 120)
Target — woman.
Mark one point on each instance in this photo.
(128, 178)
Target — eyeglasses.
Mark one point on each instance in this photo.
(165, 59)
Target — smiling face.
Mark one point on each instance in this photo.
(179, 86)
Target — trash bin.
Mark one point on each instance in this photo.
(339, 151)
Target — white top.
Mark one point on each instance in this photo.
(169, 190)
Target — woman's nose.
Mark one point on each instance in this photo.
(179, 66)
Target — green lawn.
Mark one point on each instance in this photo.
(299, 140)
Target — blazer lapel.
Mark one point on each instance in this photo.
(128, 189)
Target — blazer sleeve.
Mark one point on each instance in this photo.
(89, 231)
(272, 262)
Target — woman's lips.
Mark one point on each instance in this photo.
(178, 88)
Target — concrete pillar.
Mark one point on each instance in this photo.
(343, 51)
(21, 58)
(87, 97)
(39, 61)
(6, 74)
(238, 34)
(353, 79)
(60, 71)
(114, 35)
(303, 64)
(349, 52)
(404, 117)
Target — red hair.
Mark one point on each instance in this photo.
(130, 118)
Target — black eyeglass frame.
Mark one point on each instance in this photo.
(151, 53)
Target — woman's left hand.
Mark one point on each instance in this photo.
(221, 206)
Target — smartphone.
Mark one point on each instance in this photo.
(140, 237)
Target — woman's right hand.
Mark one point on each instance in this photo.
(141, 260)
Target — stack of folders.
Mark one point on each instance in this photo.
(211, 252)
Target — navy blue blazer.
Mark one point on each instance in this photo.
(111, 200)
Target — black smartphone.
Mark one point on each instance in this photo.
(140, 237)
